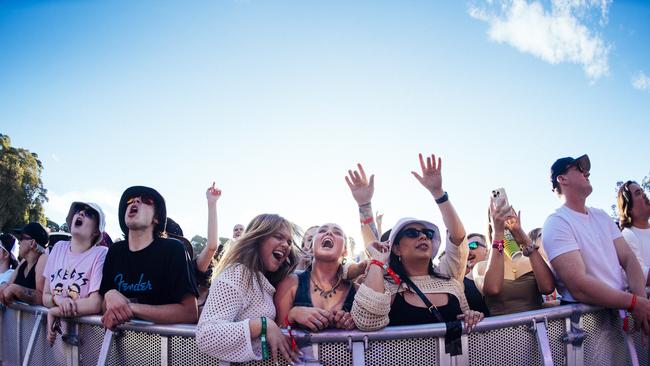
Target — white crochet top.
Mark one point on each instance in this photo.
(370, 308)
(223, 330)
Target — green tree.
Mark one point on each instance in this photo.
(198, 243)
(22, 192)
(53, 226)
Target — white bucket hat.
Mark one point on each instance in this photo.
(101, 222)
(405, 221)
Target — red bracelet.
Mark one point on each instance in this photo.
(632, 304)
(387, 269)
(367, 221)
(498, 245)
(294, 345)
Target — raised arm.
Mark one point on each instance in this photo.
(362, 190)
(492, 281)
(543, 274)
(205, 257)
(431, 179)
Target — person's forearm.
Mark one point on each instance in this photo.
(29, 295)
(213, 237)
(48, 300)
(368, 219)
(543, 275)
(493, 281)
(635, 278)
(450, 218)
(375, 278)
(595, 292)
(165, 314)
(255, 327)
(89, 305)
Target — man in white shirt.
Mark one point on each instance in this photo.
(634, 219)
(587, 251)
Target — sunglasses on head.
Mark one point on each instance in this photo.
(147, 200)
(475, 244)
(414, 233)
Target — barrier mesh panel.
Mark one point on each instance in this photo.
(642, 350)
(183, 351)
(134, 348)
(556, 332)
(414, 351)
(332, 354)
(520, 347)
(9, 334)
(27, 321)
(604, 344)
(90, 345)
(42, 352)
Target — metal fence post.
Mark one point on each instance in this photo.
(106, 347)
(573, 339)
(32, 339)
(164, 350)
(541, 332)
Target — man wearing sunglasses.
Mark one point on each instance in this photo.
(147, 276)
(32, 241)
(586, 249)
(477, 252)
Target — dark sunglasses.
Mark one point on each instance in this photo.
(88, 212)
(475, 244)
(415, 233)
(147, 200)
(25, 237)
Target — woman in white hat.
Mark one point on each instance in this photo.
(73, 271)
(402, 287)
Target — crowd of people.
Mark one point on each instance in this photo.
(271, 276)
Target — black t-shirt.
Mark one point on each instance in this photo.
(156, 275)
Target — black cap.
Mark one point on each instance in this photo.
(36, 231)
(159, 202)
(562, 165)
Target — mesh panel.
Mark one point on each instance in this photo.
(488, 348)
(332, 354)
(42, 353)
(414, 351)
(9, 332)
(27, 321)
(556, 332)
(91, 338)
(604, 344)
(641, 349)
(183, 351)
(134, 348)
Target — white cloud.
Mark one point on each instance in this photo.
(641, 81)
(557, 35)
(59, 203)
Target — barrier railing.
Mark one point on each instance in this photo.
(565, 335)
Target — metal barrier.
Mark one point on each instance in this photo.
(565, 335)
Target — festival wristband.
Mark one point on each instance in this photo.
(294, 345)
(265, 346)
(366, 221)
(498, 245)
(633, 304)
(387, 269)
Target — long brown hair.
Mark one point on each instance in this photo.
(245, 250)
(624, 204)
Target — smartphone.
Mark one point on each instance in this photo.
(499, 197)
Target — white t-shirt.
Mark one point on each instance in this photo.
(639, 241)
(593, 234)
(6, 276)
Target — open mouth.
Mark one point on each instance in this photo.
(327, 243)
(278, 255)
(78, 222)
(133, 210)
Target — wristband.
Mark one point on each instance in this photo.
(387, 269)
(366, 221)
(631, 307)
(442, 199)
(294, 345)
(529, 249)
(498, 245)
(265, 347)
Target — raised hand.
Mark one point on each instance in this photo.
(499, 214)
(378, 251)
(362, 189)
(212, 193)
(431, 177)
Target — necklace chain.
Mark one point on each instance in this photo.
(326, 293)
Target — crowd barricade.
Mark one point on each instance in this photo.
(564, 335)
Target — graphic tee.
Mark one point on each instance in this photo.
(74, 275)
(156, 275)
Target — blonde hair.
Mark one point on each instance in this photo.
(246, 249)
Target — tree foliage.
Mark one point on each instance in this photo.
(53, 226)
(21, 189)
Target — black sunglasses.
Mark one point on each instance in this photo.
(414, 233)
(475, 244)
(87, 210)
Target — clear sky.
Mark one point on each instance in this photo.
(275, 100)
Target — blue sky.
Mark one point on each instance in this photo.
(275, 100)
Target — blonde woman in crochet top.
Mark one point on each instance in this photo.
(383, 300)
(230, 326)
(319, 297)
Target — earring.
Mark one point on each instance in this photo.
(399, 258)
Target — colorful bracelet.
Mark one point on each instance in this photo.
(265, 346)
(633, 304)
(294, 345)
(367, 221)
(498, 245)
(388, 270)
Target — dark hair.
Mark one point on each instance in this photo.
(535, 234)
(399, 268)
(624, 204)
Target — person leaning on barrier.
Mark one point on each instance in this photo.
(22, 286)
(587, 250)
(516, 284)
(73, 272)
(634, 215)
(237, 323)
(415, 292)
(146, 276)
(319, 297)
(8, 262)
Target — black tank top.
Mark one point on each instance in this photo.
(30, 280)
(303, 296)
(403, 313)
